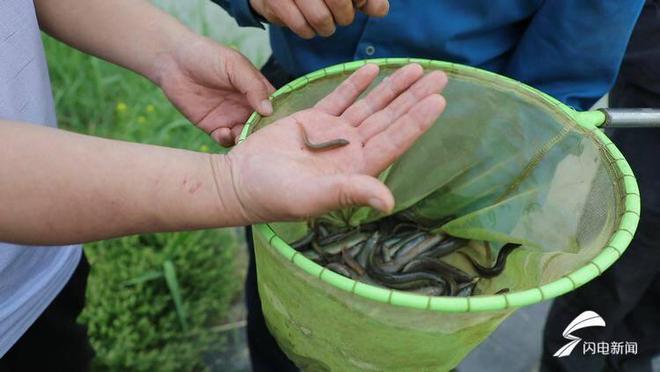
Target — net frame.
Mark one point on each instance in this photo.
(589, 120)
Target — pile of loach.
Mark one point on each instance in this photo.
(399, 254)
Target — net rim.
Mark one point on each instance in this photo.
(616, 246)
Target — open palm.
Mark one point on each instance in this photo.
(215, 87)
(307, 181)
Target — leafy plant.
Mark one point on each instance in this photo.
(152, 300)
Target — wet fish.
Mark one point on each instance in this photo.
(396, 253)
(312, 255)
(349, 261)
(500, 262)
(340, 269)
(401, 260)
(327, 145)
(446, 247)
(369, 247)
(347, 242)
(433, 264)
(405, 226)
(406, 245)
(432, 291)
(303, 242)
(409, 281)
(466, 290)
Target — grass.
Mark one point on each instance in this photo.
(156, 301)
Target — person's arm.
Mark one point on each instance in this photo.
(130, 33)
(306, 18)
(572, 49)
(215, 87)
(58, 187)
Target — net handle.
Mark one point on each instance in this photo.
(631, 118)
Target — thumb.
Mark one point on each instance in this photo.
(249, 81)
(376, 8)
(358, 189)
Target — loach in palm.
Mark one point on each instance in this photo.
(328, 156)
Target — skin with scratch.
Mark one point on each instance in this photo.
(79, 188)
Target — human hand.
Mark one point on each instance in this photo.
(276, 176)
(307, 18)
(215, 87)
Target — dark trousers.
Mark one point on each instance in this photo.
(264, 352)
(627, 296)
(55, 342)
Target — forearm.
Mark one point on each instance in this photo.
(58, 187)
(130, 33)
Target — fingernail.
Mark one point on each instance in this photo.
(266, 107)
(378, 204)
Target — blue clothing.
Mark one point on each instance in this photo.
(570, 49)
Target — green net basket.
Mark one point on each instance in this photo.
(507, 163)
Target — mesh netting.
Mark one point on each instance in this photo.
(503, 164)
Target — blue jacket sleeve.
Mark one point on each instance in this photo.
(241, 11)
(572, 49)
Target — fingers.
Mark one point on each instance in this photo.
(292, 17)
(348, 91)
(432, 83)
(236, 133)
(307, 18)
(383, 94)
(227, 137)
(249, 81)
(357, 189)
(385, 147)
(375, 8)
(223, 136)
(318, 16)
(342, 11)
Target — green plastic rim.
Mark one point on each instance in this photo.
(590, 120)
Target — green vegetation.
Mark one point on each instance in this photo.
(152, 300)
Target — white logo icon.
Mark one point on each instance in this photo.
(586, 319)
